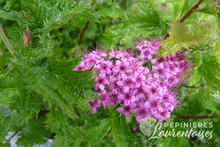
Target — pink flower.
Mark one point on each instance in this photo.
(94, 104)
(142, 113)
(122, 78)
(105, 67)
(128, 98)
(101, 80)
(112, 99)
(154, 45)
(163, 115)
(143, 45)
(127, 109)
(147, 54)
(120, 67)
(103, 98)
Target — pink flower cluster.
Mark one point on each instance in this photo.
(123, 78)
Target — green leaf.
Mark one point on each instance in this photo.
(65, 70)
(210, 69)
(173, 141)
(216, 96)
(181, 37)
(121, 132)
(4, 58)
(99, 131)
(5, 119)
(141, 21)
(63, 16)
(8, 4)
(57, 122)
(5, 144)
(6, 80)
(58, 90)
(109, 9)
(7, 15)
(33, 133)
(6, 95)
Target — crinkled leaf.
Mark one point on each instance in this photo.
(181, 37)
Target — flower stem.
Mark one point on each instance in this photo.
(6, 41)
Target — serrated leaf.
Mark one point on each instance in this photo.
(107, 8)
(48, 84)
(63, 16)
(6, 95)
(33, 133)
(65, 70)
(5, 119)
(4, 58)
(181, 37)
(100, 132)
(121, 132)
(142, 21)
(6, 80)
(57, 121)
(210, 69)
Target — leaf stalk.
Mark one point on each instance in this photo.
(6, 41)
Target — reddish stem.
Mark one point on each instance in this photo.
(188, 13)
(84, 28)
(83, 31)
(195, 117)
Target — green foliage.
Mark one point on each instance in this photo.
(141, 20)
(181, 37)
(30, 133)
(120, 131)
(42, 96)
(216, 96)
(100, 132)
(3, 123)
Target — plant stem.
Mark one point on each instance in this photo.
(84, 28)
(195, 117)
(6, 41)
(188, 13)
(41, 114)
(196, 85)
(83, 31)
(14, 134)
